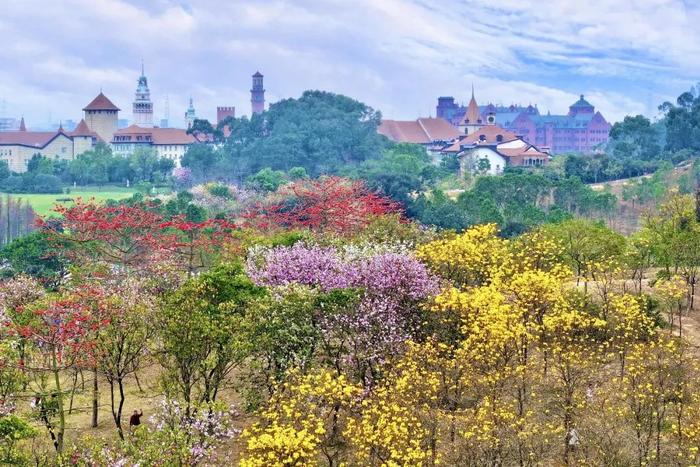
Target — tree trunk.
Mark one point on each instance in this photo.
(72, 392)
(95, 398)
(116, 416)
(61, 414)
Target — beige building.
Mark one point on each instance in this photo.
(101, 116)
(167, 142)
(18, 147)
(99, 125)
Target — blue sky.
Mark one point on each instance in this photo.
(626, 56)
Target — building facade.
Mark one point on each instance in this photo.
(101, 116)
(582, 129)
(492, 148)
(257, 94)
(222, 113)
(142, 107)
(18, 147)
(171, 143)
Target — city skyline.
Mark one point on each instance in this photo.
(395, 55)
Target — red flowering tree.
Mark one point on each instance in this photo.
(136, 237)
(327, 204)
(58, 332)
(127, 236)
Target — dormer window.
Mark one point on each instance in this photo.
(482, 138)
(499, 138)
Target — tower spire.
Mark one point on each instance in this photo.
(142, 106)
(472, 89)
(190, 115)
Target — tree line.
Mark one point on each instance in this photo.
(98, 166)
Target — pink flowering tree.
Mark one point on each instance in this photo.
(392, 286)
(182, 176)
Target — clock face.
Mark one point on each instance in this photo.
(491, 119)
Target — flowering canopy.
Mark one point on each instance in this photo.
(327, 204)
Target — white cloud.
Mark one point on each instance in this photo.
(396, 55)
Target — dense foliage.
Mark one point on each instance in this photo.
(351, 336)
(320, 132)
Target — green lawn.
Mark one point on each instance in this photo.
(42, 203)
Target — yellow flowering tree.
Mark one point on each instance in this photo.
(475, 257)
(303, 422)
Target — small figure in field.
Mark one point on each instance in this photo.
(135, 420)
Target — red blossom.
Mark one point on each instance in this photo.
(136, 237)
(327, 204)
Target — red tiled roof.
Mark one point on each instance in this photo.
(172, 136)
(526, 151)
(421, 131)
(83, 130)
(490, 135)
(35, 139)
(134, 130)
(438, 129)
(403, 131)
(101, 102)
(157, 135)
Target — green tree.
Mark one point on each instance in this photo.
(34, 255)
(202, 159)
(14, 429)
(585, 243)
(400, 172)
(201, 126)
(92, 166)
(144, 164)
(682, 121)
(320, 131)
(634, 138)
(199, 329)
(267, 179)
(439, 210)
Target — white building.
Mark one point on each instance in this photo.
(490, 149)
(167, 142)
